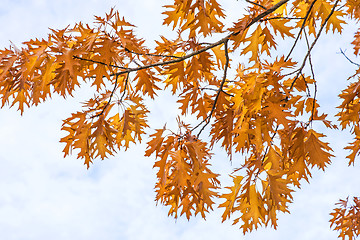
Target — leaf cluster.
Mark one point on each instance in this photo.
(259, 108)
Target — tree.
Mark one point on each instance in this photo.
(263, 111)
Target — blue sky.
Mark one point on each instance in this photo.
(46, 196)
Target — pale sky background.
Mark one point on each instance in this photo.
(44, 196)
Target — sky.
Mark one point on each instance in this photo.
(46, 196)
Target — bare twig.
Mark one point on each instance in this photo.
(271, 143)
(207, 119)
(315, 85)
(343, 53)
(125, 87)
(310, 61)
(265, 153)
(206, 88)
(212, 89)
(263, 14)
(274, 18)
(307, 86)
(256, 4)
(124, 68)
(151, 54)
(341, 7)
(108, 103)
(98, 62)
(314, 103)
(314, 42)
(301, 29)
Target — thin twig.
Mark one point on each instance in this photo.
(288, 18)
(256, 4)
(98, 62)
(207, 119)
(310, 61)
(226, 93)
(271, 143)
(108, 103)
(125, 87)
(311, 66)
(301, 29)
(341, 7)
(151, 54)
(307, 86)
(315, 85)
(210, 46)
(343, 53)
(206, 88)
(314, 42)
(180, 59)
(221, 41)
(314, 103)
(212, 89)
(266, 152)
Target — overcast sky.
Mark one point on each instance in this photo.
(46, 196)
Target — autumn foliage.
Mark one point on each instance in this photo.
(259, 108)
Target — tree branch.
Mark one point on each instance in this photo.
(274, 18)
(315, 85)
(313, 44)
(98, 62)
(108, 103)
(207, 119)
(301, 29)
(180, 59)
(125, 88)
(256, 4)
(221, 41)
(211, 89)
(151, 54)
(343, 53)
